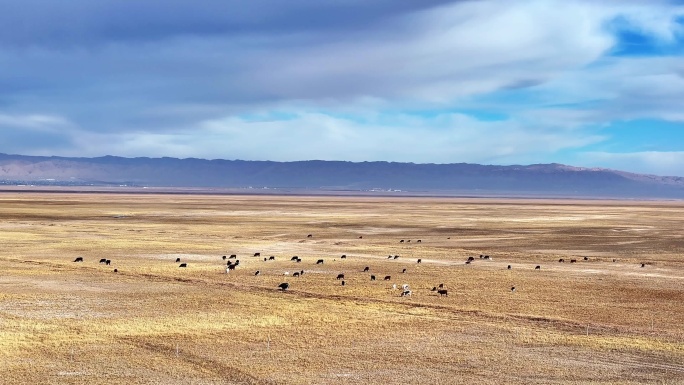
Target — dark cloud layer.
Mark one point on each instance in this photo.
(68, 24)
(115, 65)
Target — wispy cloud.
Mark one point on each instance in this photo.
(315, 135)
(34, 122)
(35, 134)
(650, 162)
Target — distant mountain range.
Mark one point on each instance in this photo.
(441, 179)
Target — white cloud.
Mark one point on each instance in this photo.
(650, 162)
(36, 122)
(445, 138)
(657, 19)
(615, 89)
(441, 55)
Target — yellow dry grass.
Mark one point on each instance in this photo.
(595, 321)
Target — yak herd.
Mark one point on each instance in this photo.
(405, 290)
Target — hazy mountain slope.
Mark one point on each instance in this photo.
(464, 178)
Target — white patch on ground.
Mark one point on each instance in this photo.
(72, 374)
(487, 239)
(185, 257)
(653, 275)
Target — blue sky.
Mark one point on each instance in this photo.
(580, 82)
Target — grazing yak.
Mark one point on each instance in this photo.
(284, 286)
(365, 269)
(116, 270)
(295, 274)
(443, 292)
(406, 293)
(184, 265)
(586, 258)
(402, 241)
(232, 256)
(224, 257)
(177, 259)
(441, 286)
(78, 259)
(388, 277)
(103, 260)
(537, 267)
(372, 278)
(309, 236)
(418, 241)
(257, 272)
(294, 258)
(471, 258)
(512, 289)
(319, 262)
(108, 262)
(396, 257)
(403, 271)
(509, 267)
(271, 258)
(340, 276)
(561, 260)
(573, 260)
(344, 256)
(257, 254)
(420, 260)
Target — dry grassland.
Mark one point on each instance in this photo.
(590, 322)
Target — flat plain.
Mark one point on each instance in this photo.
(615, 318)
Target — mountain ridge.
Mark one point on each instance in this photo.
(553, 178)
